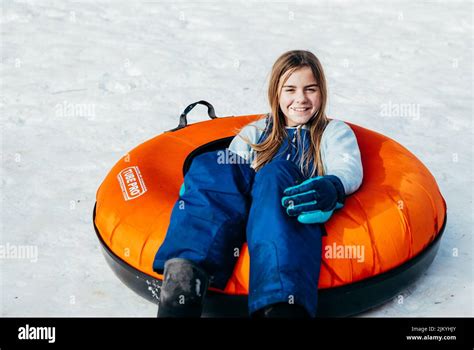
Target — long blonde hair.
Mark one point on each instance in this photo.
(284, 66)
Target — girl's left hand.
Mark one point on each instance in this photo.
(314, 200)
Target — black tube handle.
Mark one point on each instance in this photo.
(183, 121)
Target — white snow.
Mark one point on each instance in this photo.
(83, 82)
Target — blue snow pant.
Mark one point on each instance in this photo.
(225, 204)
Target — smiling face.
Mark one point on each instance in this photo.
(300, 97)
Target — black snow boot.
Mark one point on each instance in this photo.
(183, 290)
(281, 310)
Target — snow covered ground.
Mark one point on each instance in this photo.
(85, 81)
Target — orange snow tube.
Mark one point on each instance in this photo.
(385, 236)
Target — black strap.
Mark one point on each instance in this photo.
(183, 122)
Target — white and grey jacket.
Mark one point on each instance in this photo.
(340, 152)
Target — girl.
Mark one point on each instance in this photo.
(296, 168)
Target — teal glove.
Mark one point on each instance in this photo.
(182, 189)
(314, 200)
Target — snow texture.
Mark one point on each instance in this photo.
(83, 82)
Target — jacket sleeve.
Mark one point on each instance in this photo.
(252, 132)
(341, 155)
